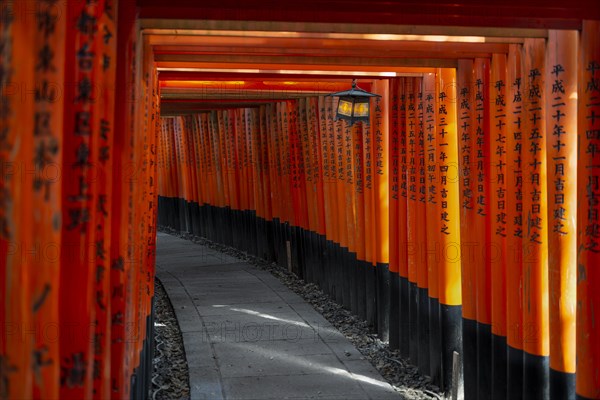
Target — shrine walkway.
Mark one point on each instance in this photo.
(247, 336)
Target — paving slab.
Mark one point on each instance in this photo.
(247, 336)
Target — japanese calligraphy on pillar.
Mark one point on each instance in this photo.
(394, 142)
(444, 158)
(421, 146)
(480, 138)
(499, 139)
(104, 143)
(368, 156)
(47, 157)
(412, 143)
(430, 144)
(557, 154)
(403, 158)
(590, 145)
(536, 159)
(466, 149)
(516, 149)
(588, 218)
(80, 190)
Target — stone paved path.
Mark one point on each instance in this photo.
(247, 336)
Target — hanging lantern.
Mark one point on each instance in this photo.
(354, 104)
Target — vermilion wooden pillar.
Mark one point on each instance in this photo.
(80, 198)
(470, 225)
(449, 269)
(413, 251)
(402, 218)
(47, 135)
(380, 132)
(561, 148)
(480, 174)
(588, 257)
(394, 186)
(535, 238)
(432, 249)
(370, 235)
(17, 251)
(421, 237)
(514, 202)
(498, 221)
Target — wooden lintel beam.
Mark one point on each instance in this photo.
(286, 63)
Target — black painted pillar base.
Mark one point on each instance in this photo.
(536, 377)
(423, 323)
(404, 317)
(383, 301)
(371, 294)
(394, 321)
(413, 323)
(499, 367)
(515, 373)
(470, 358)
(353, 274)
(435, 342)
(345, 276)
(484, 361)
(562, 385)
(452, 340)
(361, 289)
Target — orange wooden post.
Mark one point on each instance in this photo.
(242, 154)
(431, 247)
(18, 126)
(535, 240)
(370, 226)
(333, 173)
(232, 172)
(316, 186)
(349, 200)
(308, 194)
(394, 186)
(221, 132)
(481, 174)
(421, 244)
(261, 211)
(498, 221)
(271, 117)
(286, 168)
(103, 213)
(514, 207)
(324, 104)
(561, 149)
(380, 129)
(197, 176)
(449, 269)
(47, 137)
(361, 265)
(402, 216)
(121, 195)
(588, 231)
(470, 225)
(278, 191)
(411, 218)
(342, 294)
(80, 199)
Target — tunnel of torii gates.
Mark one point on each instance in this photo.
(463, 218)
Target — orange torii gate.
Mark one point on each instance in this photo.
(463, 217)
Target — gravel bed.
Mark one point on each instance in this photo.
(170, 379)
(404, 377)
